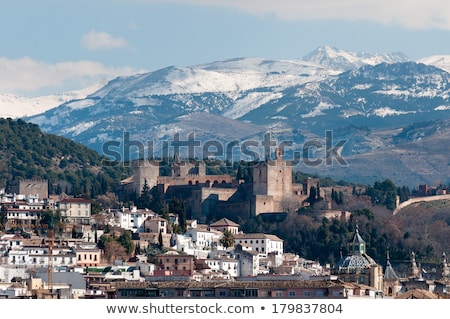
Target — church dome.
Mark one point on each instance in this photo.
(353, 262)
(357, 259)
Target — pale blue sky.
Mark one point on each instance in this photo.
(50, 46)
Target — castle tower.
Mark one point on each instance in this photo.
(30, 187)
(273, 177)
(272, 184)
(145, 172)
(181, 168)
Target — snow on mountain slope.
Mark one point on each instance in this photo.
(14, 106)
(229, 76)
(439, 61)
(344, 60)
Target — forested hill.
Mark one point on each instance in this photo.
(26, 152)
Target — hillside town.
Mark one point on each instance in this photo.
(70, 253)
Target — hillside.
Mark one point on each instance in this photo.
(422, 228)
(26, 152)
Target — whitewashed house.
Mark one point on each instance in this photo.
(205, 239)
(223, 264)
(261, 243)
(133, 218)
(38, 256)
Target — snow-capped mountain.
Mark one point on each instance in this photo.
(343, 60)
(241, 99)
(15, 106)
(439, 61)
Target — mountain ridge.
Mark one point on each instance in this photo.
(283, 98)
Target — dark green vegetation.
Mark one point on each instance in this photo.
(28, 153)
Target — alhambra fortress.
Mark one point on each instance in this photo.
(271, 189)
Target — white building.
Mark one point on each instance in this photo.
(205, 239)
(12, 290)
(223, 264)
(133, 218)
(21, 216)
(261, 243)
(182, 244)
(248, 261)
(37, 256)
(10, 241)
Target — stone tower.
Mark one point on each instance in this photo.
(145, 171)
(391, 282)
(413, 269)
(30, 187)
(273, 177)
(443, 270)
(272, 185)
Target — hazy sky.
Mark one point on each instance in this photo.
(50, 46)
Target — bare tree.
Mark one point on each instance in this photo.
(291, 205)
(115, 251)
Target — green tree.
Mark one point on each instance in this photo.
(312, 198)
(103, 240)
(126, 241)
(227, 240)
(3, 217)
(159, 204)
(145, 200)
(177, 207)
(160, 239)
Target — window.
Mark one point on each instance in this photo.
(251, 293)
(291, 293)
